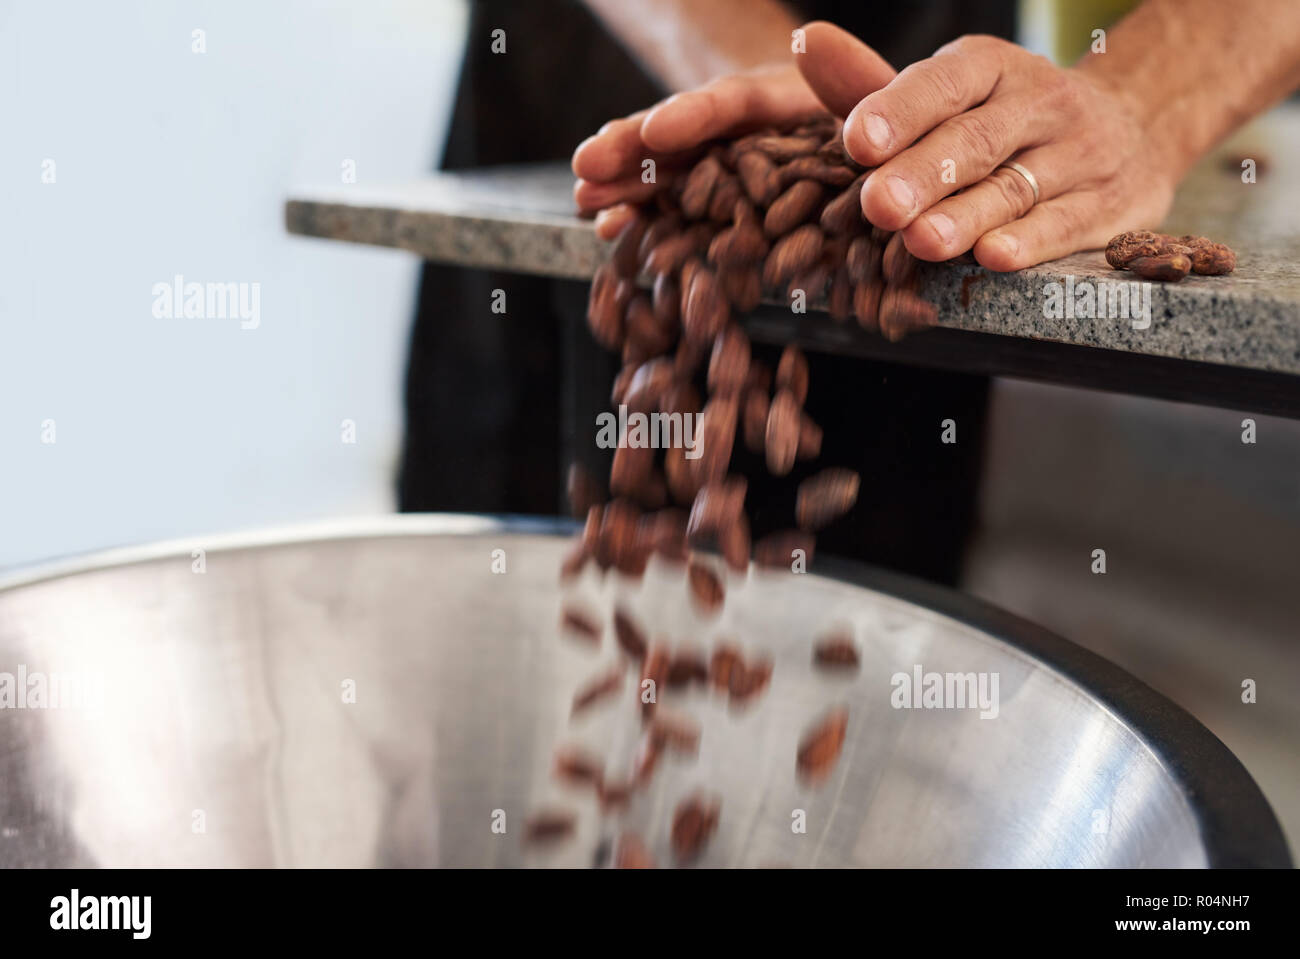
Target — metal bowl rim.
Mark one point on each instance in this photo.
(1238, 827)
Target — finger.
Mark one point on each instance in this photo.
(729, 105)
(1050, 230)
(613, 151)
(839, 68)
(611, 220)
(959, 152)
(925, 94)
(951, 226)
(591, 197)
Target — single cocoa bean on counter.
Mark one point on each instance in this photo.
(1165, 267)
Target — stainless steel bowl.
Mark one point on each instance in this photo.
(205, 717)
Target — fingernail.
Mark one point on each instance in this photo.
(1008, 243)
(877, 130)
(901, 191)
(943, 228)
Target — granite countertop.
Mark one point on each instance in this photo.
(521, 219)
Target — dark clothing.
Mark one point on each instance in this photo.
(486, 424)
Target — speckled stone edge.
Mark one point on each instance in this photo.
(1201, 318)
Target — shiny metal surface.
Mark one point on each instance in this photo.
(224, 737)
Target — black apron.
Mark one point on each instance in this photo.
(484, 418)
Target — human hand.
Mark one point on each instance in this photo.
(978, 102)
(608, 165)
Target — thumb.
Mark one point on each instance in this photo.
(839, 67)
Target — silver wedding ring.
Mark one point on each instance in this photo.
(1029, 177)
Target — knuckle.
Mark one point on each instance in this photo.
(1016, 195)
(981, 136)
(945, 82)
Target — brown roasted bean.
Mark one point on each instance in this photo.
(793, 207)
(897, 265)
(581, 625)
(725, 194)
(748, 679)
(1166, 267)
(706, 311)
(866, 304)
(729, 364)
(715, 436)
(826, 497)
(630, 636)
(902, 311)
(820, 748)
(840, 300)
(836, 651)
(694, 821)
(549, 826)
(601, 686)
(606, 306)
(688, 666)
(667, 304)
(699, 187)
(759, 177)
(791, 255)
(843, 215)
(743, 287)
(707, 590)
(676, 732)
(683, 484)
(718, 504)
(577, 767)
(626, 254)
(721, 663)
(862, 259)
(792, 373)
(781, 441)
(810, 438)
(782, 149)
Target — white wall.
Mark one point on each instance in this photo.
(168, 161)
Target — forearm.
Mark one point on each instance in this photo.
(1195, 70)
(686, 43)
